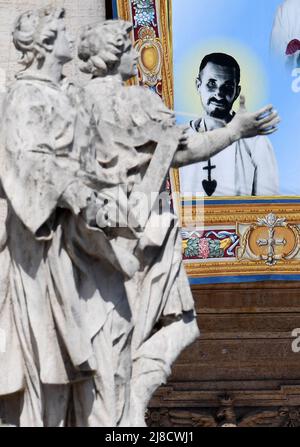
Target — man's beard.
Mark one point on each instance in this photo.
(219, 112)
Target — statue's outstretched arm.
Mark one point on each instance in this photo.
(195, 147)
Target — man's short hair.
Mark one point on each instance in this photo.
(225, 60)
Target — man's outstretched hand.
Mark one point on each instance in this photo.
(247, 125)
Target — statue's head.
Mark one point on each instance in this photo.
(38, 33)
(106, 49)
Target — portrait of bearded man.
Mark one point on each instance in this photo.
(239, 170)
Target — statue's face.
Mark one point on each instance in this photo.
(63, 45)
(128, 62)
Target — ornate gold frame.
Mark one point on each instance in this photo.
(231, 212)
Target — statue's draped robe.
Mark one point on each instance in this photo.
(63, 306)
(134, 120)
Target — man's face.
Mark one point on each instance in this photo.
(218, 89)
(128, 61)
(63, 44)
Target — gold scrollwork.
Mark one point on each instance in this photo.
(270, 239)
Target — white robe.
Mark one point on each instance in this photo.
(246, 168)
(286, 27)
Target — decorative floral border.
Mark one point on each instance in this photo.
(210, 244)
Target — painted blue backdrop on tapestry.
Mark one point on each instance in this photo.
(241, 28)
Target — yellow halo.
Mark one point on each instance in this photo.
(254, 81)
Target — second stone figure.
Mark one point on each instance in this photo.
(95, 302)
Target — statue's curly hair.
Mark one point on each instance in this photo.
(101, 46)
(35, 32)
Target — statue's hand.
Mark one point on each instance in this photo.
(247, 125)
(91, 209)
(76, 197)
(184, 139)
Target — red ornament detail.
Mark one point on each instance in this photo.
(293, 47)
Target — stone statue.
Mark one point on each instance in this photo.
(144, 140)
(63, 306)
(78, 13)
(94, 302)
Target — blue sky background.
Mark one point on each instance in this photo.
(243, 28)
